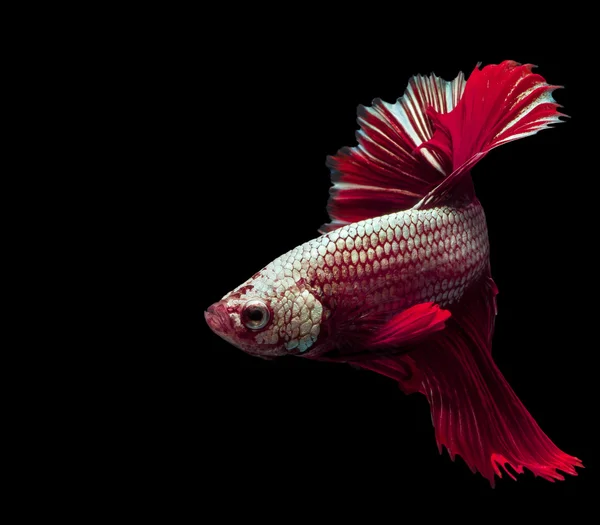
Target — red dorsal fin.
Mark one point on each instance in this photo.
(418, 151)
(475, 412)
(500, 103)
(384, 173)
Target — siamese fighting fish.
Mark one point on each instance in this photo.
(399, 282)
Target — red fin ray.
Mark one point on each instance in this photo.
(475, 412)
(410, 325)
(418, 151)
(500, 103)
(364, 331)
(478, 416)
(384, 173)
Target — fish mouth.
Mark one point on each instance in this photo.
(218, 319)
(220, 322)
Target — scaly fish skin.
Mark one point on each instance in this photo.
(390, 263)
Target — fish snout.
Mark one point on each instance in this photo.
(218, 318)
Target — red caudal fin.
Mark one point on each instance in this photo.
(384, 173)
(418, 151)
(475, 412)
(500, 103)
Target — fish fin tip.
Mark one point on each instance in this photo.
(500, 103)
(409, 153)
(367, 333)
(382, 174)
(475, 413)
(414, 323)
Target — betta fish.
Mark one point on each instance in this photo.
(399, 282)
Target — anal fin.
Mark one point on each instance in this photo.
(475, 412)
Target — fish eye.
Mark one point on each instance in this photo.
(255, 315)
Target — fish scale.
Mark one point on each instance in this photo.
(388, 262)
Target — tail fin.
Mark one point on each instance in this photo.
(501, 103)
(415, 152)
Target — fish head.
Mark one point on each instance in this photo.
(268, 316)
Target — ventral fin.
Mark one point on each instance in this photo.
(373, 333)
(409, 326)
(384, 173)
(475, 412)
(500, 103)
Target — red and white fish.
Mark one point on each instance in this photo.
(399, 283)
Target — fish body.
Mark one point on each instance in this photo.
(382, 264)
(399, 282)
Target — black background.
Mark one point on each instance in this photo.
(251, 125)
